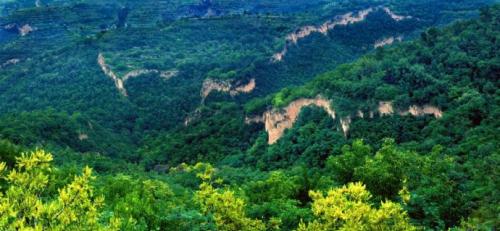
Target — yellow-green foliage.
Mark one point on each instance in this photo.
(23, 208)
(228, 211)
(348, 208)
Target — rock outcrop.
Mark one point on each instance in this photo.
(21, 30)
(10, 62)
(395, 16)
(83, 136)
(276, 121)
(120, 82)
(169, 74)
(387, 41)
(386, 108)
(342, 20)
(210, 85)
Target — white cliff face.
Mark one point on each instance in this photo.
(415, 110)
(276, 121)
(120, 82)
(22, 30)
(386, 108)
(305, 31)
(246, 88)
(105, 68)
(395, 16)
(210, 85)
(169, 74)
(25, 30)
(342, 20)
(10, 62)
(82, 136)
(345, 123)
(387, 41)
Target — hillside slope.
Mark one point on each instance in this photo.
(190, 126)
(138, 70)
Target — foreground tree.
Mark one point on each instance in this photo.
(348, 208)
(227, 210)
(25, 203)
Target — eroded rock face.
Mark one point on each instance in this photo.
(120, 82)
(26, 29)
(82, 136)
(210, 85)
(342, 20)
(415, 110)
(246, 88)
(278, 120)
(395, 16)
(387, 41)
(169, 74)
(386, 108)
(10, 62)
(345, 123)
(192, 117)
(21, 30)
(105, 68)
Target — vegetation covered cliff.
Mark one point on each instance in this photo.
(377, 115)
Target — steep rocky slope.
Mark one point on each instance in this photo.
(120, 81)
(277, 120)
(342, 20)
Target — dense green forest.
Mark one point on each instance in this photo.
(128, 115)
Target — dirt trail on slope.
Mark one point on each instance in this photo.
(278, 120)
(342, 20)
(120, 82)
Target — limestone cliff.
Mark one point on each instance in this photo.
(387, 41)
(278, 120)
(10, 62)
(21, 30)
(120, 82)
(210, 85)
(342, 20)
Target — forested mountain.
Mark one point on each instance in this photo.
(249, 115)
